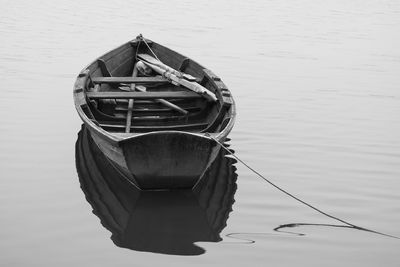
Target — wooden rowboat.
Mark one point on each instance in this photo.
(154, 113)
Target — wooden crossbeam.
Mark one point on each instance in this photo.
(143, 95)
(157, 79)
(157, 127)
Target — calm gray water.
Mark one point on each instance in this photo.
(317, 90)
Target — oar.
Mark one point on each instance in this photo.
(166, 103)
(141, 88)
(175, 76)
(130, 103)
(158, 63)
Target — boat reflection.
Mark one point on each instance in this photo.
(167, 222)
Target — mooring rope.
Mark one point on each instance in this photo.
(141, 38)
(167, 72)
(296, 198)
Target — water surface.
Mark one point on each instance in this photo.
(317, 93)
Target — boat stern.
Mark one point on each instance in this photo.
(168, 160)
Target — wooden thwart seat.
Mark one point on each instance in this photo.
(156, 110)
(143, 95)
(138, 80)
(187, 127)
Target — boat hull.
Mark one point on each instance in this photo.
(161, 160)
(143, 132)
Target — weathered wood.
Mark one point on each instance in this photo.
(211, 75)
(212, 127)
(151, 103)
(125, 67)
(226, 102)
(130, 104)
(114, 63)
(167, 149)
(103, 68)
(157, 79)
(142, 95)
(129, 116)
(161, 111)
(155, 110)
(174, 76)
(165, 102)
(184, 64)
(191, 126)
(150, 118)
(114, 53)
(174, 60)
(168, 56)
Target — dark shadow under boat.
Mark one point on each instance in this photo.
(167, 222)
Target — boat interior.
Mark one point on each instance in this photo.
(122, 100)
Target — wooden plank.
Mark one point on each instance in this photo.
(130, 104)
(190, 126)
(211, 75)
(168, 56)
(119, 59)
(144, 102)
(142, 95)
(155, 110)
(172, 106)
(184, 64)
(103, 67)
(165, 102)
(124, 68)
(113, 53)
(154, 118)
(213, 126)
(174, 76)
(157, 79)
